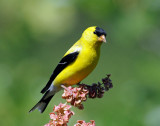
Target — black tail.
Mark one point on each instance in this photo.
(42, 104)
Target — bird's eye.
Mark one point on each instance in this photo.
(99, 32)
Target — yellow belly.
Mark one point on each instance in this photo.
(78, 70)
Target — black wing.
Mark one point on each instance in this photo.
(68, 59)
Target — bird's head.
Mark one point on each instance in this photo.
(94, 35)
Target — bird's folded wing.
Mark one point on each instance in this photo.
(65, 61)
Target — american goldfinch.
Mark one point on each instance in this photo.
(77, 63)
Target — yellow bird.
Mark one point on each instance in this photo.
(77, 63)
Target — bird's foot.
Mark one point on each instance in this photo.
(66, 89)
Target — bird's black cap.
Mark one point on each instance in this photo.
(99, 31)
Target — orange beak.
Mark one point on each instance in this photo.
(102, 38)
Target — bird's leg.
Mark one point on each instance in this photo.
(78, 83)
(66, 89)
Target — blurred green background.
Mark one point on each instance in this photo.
(34, 35)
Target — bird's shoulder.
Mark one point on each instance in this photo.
(75, 48)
